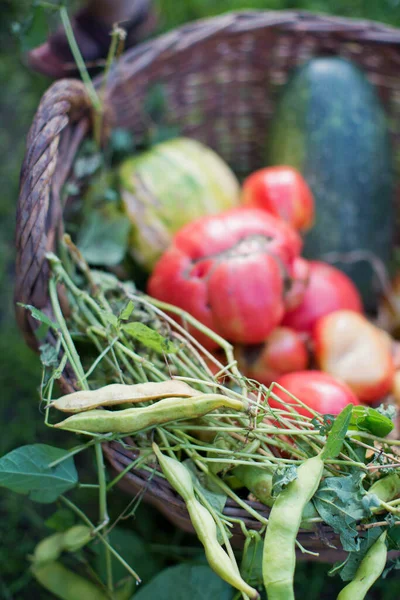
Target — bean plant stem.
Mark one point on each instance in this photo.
(88, 522)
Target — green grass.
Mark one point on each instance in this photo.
(21, 522)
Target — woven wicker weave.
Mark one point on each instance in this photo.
(221, 77)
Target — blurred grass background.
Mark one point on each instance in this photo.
(21, 522)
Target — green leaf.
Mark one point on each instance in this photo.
(366, 418)
(134, 550)
(348, 568)
(183, 582)
(393, 566)
(150, 338)
(111, 318)
(48, 355)
(26, 471)
(103, 238)
(393, 535)
(39, 315)
(34, 31)
(337, 434)
(326, 426)
(217, 499)
(339, 502)
(127, 311)
(251, 566)
(281, 477)
(61, 520)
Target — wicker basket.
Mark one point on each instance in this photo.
(221, 77)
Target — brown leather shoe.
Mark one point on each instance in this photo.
(54, 57)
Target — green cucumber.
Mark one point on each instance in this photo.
(330, 126)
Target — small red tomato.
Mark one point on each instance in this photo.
(319, 391)
(283, 192)
(328, 290)
(228, 271)
(283, 352)
(348, 346)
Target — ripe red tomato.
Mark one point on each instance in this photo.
(283, 192)
(283, 352)
(348, 346)
(320, 391)
(328, 290)
(228, 271)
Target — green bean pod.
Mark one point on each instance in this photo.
(368, 572)
(386, 488)
(66, 584)
(279, 557)
(203, 523)
(258, 480)
(51, 547)
(132, 420)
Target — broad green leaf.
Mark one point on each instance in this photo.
(134, 550)
(103, 238)
(127, 311)
(337, 434)
(39, 315)
(348, 568)
(281, 477)
(186, 582)
(149, 338)
(26, 471)
(339, 502)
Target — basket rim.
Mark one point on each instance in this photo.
(349, 28)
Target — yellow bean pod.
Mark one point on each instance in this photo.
(118, 393)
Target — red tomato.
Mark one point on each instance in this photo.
(283, 352)
(320, 391)
(300, 281)
(328, 290)
(283, 192)
(348, 346)
(228, 271)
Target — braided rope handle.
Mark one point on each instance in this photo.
(39, 212)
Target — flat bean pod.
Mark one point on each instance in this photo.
(386, 488)
(66, 584)
(203, 523)
(368, 572)
(132, 420)
(118, 393)
(279, 557)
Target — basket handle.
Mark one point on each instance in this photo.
(39, 212)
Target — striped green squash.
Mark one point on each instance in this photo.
(168, 186)
(331, 127)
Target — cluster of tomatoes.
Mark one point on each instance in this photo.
(296, 322)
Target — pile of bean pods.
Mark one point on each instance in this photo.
(202, 426)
